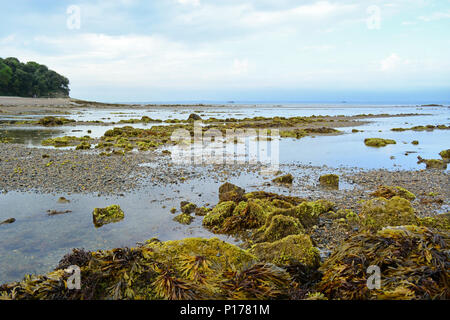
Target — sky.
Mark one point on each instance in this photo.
(240, 50)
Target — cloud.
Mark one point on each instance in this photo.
(391, 62)
(435, 16)
(194, 3)
(240, 66)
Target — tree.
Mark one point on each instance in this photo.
(30, 79)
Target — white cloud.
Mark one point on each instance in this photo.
(194, 3)
(240, 66)
(435, 16)
(391, 62)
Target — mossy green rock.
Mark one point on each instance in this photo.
(280, 227)
(329, 180)
(389, 192)
(378, 142)
(218, 214)
(286, 179)
(291, 250)
(230, 192)
(445, 154)
(184, 218)
(111, 214)
(378, 213)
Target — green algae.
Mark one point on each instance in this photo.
(291, 250)
(445, 154)
(285, 179)
(184, 218)
(389, 192)
(378, 213)
(53, 121)
(378, 142)
(329, 180)
(281, 226)
(111, 214)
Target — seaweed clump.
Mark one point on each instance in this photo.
(433, 163)
(286, 179)
(111, 214)
(445, 155)
(291, 250)
(329, 180)
(174, 270)
(414, 264)
(378, 142)
(53, 121)
(378, 213)
(390, 192)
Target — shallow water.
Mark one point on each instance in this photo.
(36, 241)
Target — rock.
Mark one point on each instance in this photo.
(378, 142)
(415, 142)
(55, 212)
(184, 218)
(433, 163)
(230, 192)
(329, 180)
(187, 208)
(445, 154)
(286, 179)
(390, 192)
(63, 200)
(215, 218)
(8, 221)
(111, 214)
(411, 259)
(291, 250)
(281, 227)
(203, 211)
(378, 213)
(194, 117)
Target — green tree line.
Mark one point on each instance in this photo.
(30, 79)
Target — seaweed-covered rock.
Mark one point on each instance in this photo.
(53, 121)
(187, 207)
(378, 142)
(433, 163)
(285, 179)
(8, 221)
(216, 217)
(111, 214)
(230, 192)
(378, 213)
(329, 180)
(414, 264)
(194, 117)
(192, 268)
(291, 250)
(184, 218)
(246, 215)
(280, 227)
(445, 155)
(440, 222)
(202, 211)
(390, 192)
(84, 145)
